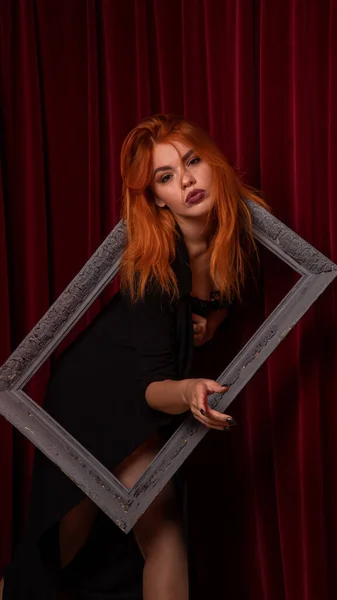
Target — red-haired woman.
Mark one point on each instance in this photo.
(127, 377)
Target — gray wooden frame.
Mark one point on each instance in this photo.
(125, 506)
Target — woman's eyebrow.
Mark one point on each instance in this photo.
(168, 168)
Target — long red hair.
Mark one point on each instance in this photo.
(151, 231)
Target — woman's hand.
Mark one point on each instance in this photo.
(204, 329)
(201, 330)
(196, 392)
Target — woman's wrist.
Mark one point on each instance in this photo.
(169, 396)
(185, 383)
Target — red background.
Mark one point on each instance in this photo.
(261, 76)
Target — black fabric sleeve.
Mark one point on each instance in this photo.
(152, 327)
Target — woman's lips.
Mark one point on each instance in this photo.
(196, 197)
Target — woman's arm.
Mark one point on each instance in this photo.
(153, 322)
(168, 396)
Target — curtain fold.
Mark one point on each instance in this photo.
(260, 75)
(6, 434)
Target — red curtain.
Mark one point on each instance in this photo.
(261, 76)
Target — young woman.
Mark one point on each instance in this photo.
(126, 378)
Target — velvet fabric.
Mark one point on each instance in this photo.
(260, 75)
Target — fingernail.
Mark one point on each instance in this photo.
(202, 412)
(231, 421)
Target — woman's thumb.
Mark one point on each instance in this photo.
(214, 386)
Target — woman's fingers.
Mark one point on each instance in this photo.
(199, 328)
(200, 408)
(208, 416)
(205, 388)
(214, 415)
(210, 423)
(219, 424)
(198, 319)
(215, 387)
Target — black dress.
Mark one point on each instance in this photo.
(97, 392)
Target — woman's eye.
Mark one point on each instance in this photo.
(194, 160)
(165, 178)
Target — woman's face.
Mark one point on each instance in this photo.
(185, 190)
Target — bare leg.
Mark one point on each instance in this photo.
(158, 532)
(76, 525)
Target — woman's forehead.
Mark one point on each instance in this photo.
(168, 153)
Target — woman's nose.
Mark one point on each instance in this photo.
(188, 179)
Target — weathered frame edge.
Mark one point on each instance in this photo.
(122, 505)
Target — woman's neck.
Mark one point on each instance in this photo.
(196, 236)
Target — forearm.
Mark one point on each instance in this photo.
(168, 396)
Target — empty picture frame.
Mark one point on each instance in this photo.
(125, 506)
